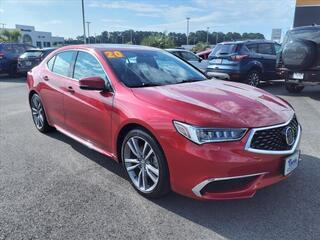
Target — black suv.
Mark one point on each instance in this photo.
(9, 53)
(247, 61)
(299, 58)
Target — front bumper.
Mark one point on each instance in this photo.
(194, 168)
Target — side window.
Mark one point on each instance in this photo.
(266, 48)
(62, 63)
(277, 47)
(50, 63)
(252, 48)
(189, 56)
(87, 66)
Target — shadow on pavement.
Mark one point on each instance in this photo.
(278, 88)
(287, 210)
(7, 79)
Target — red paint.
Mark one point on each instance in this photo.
(97, 118)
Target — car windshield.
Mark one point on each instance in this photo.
(31, 54)
(142, 68)
(224, 49)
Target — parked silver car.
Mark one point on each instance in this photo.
(190, 57)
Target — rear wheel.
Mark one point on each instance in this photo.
(293, 87)
(145, 164)
(38, 114)
(253, 78)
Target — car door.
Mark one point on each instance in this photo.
(54, 76)
(268, 59)
(87, 112)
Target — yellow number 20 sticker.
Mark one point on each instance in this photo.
(113, 54)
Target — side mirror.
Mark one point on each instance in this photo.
(92, 83)
(200, 59)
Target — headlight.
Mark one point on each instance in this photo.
(202, 135)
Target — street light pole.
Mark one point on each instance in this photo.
(188, 19)
(207, 35)
(88, 31)
(83, 23)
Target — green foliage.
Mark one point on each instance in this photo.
(171, 39)
(200, 46)
(9, 35)
(160, 40)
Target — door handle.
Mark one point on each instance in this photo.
(46, 78)
(70, 89)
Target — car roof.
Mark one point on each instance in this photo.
(176, 50)
(41, 49)
(103, 47)
(249, 41)
(311, 27)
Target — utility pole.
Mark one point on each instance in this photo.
(217, 38)
(188, 19)
(88, 31)
(83, 23)
(207, 35)
(131, 36)
(3, 24)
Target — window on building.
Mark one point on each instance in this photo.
(39, 45)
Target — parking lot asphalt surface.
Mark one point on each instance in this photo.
(52, 187)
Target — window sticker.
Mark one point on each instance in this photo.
(114, 54)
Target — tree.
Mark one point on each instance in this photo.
(10, 35)
(160, 40)
(200, 46)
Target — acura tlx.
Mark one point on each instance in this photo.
(170, 126)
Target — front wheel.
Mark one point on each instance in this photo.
(145, 164)
(293, 87)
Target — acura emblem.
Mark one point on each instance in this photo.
(289, 136)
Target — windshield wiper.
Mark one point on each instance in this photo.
(146, 85)
(189, 81)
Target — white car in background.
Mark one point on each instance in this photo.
(190, 57)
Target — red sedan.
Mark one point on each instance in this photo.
(169, 126)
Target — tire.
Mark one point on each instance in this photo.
(145, 164)
(39, 115)
(293, 87)
(253, 78)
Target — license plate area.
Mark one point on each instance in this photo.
(291, 163)
(298, 76)
(216, 61)
(28, 63)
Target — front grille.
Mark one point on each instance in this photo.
(274, 139)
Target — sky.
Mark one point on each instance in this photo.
(64, 17)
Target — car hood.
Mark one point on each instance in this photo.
(217, 103)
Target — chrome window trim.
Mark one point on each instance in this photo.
(197, 189)
(274, 152)
(77, 50)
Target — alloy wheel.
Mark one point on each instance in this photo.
(37, 111)
(141, 164)
(254, 79)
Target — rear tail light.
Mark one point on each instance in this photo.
(238, 58)
(1, 55)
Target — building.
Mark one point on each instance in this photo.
(39, 39)
(307, 13)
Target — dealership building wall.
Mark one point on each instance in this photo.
(307, 13)
(39, 39)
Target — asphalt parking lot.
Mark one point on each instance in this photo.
(52, 187)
